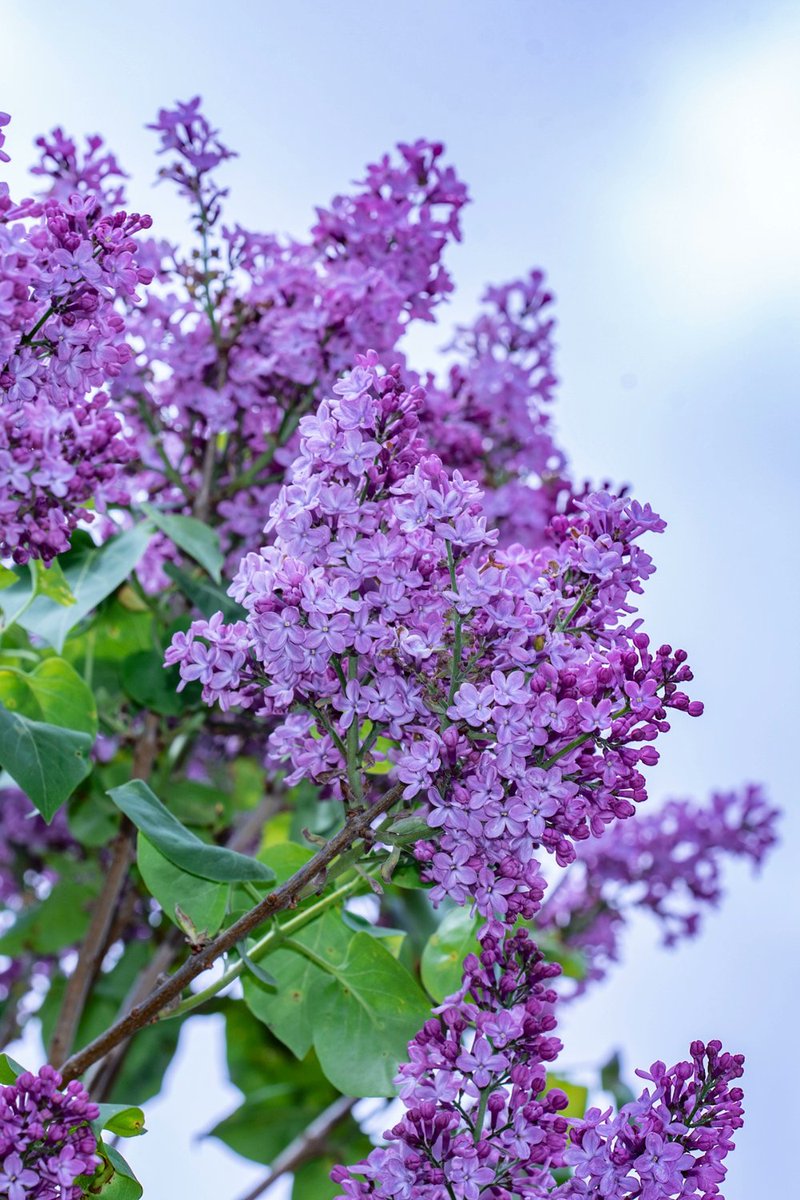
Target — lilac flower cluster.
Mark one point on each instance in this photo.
(46, 1141)
(481, 1122)
(491, 418)
(68, 170)
(671, 1142)
(668, 863)
(512, 699)
(243, 337)
(63, 265)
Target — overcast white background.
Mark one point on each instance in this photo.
(646, 154)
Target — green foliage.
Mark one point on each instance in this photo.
(121, 1120)
(444, 954)
(114, 1179)
(282, 1095)
(9, 1069)
(149, 685)
(345, 994)
(53, 693)
(60, 920)
(46, 761)
(367, 1013)
(181, 894)
(199, 541)
(207, 597)
(179, 845)
(91, 573)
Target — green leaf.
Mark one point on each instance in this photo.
(53, 692)
(204, 902)
(206, 597)
(152, 685)
(9, 1069)
(114, 1179)
(575, 1093)
(7, 578)
(179, 844)
(91, 573)
(290, 1014)
(284, 859)
(121, 1120)
(444, 954)
(50, 581)
(365, 1015)
(198, 540)
(283, 1095)
(48, 763)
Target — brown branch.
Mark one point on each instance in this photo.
(357, 828)
(310, 1143)
(96, 941)
(101, 1080)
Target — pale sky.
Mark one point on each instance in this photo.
(646, 155)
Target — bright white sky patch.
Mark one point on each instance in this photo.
(712, 210)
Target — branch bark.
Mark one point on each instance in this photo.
(357, 828)
(96, 941)
(310, 1142)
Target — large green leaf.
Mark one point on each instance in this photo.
(198, 540)
(444, 954)
(178, 844)
(290, 1012)
(50, 581)
(91, 573)
(47, 762)
(206, 597)
(178, 892)
(146, 681)
(365, 1015)
(53, 692)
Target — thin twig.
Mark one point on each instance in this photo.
(101, 1080)
(357, 828)
(95, 943)
(308, 1145)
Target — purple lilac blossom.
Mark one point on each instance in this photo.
(46, 1141)
(519, 699)
(481, 1122)
(64, 265)
(668, 863)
